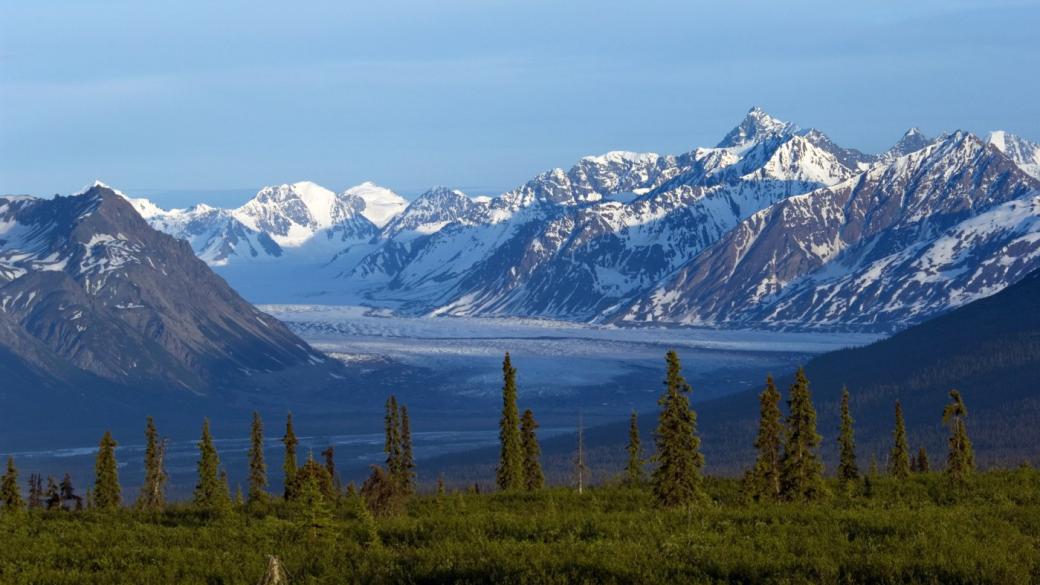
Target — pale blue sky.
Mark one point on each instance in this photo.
(209, 100)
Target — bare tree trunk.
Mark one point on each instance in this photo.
(275, 574)
(579, 460)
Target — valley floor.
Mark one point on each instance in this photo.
(554, 358)
(920, 530)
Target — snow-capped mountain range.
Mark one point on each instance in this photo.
(775, 226)
(302, 216)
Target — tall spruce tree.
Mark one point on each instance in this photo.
(153, 490)
(257, 464)
(329, 454)
(35, 491)
(107, 492)
(677, 479)
(533, 477)
(313, 504)
(407, 456)
(899, 456)
(960, 461)
(68, 492)
(510, 472)
(848, 470)
(211, 491)
(634, 468)
(765, 476)
(289, 468)
(923, 466)
(392, 444)
(801, 469)
(10, 493)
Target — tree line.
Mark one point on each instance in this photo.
(787, 467)
(311, 487)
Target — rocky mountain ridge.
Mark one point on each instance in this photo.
(773, 227)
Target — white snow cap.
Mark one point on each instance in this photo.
(98, 183)
(617, 156)
(1026, 154)
(381, 204)
(318, 200)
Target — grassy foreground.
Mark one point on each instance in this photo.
(920, 530)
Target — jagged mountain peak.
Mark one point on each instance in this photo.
(911, 141)
(802, 159)
(914, 131)
(438, 191)
(756, 126)
(97, 184)
(1025, 153)
(940, 160)
(292, 213)
(318, 200)
(428, 213)
(850, 157)
(907, 239)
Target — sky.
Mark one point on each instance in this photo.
(202, 101)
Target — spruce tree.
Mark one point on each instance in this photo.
(765, 476)
(960, 461)
(392, 443)
(67, 492)
(848, 470)
(35, 492)
(634, 468)
(899, 456)
(289, 468)
(312, 504)
(382, 492)
(211, 491)
(10, 493)
(225, 491)
(407, 457)
(510, 472)
(153, 490)
(801, 469)
(320, 474)
(533, 477)
(922, 461)
(257, 465)
(52, 496)
(330, 466)
(677, 479)
(107, 493)
(369, 528)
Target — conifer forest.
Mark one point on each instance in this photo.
(916, 517)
